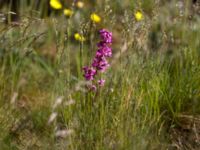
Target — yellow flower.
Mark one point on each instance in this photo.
(138, 16)
(95, 18)
(55, 4)
(68, 12)
(80, 4)
(79, 37)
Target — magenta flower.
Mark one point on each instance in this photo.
(104, 51)
(99, 62)
(93, 88)
(101, 44)
(106, 36)
(89, 73)
(101, 82)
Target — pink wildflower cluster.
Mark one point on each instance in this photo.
(100, 62)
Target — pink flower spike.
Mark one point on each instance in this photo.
(99, 62)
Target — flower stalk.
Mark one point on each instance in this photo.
(99, 63)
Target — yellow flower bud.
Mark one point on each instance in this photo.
(79, 37)
(138, 16)
(55, 4)
(95, 18)
(68, 12)
(80, 4)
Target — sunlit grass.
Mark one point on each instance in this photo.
(154, 77)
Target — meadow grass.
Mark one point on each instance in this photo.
(152, 87)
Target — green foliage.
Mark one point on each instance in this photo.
(153, 79)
